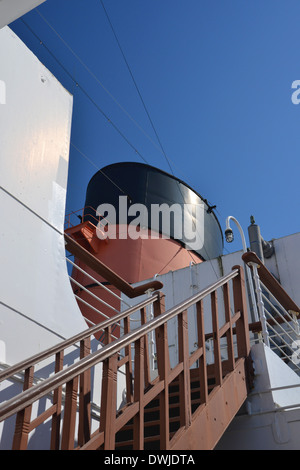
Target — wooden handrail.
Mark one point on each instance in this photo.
(31, 361)
(28, 397)
(100, 268)
(271, 283)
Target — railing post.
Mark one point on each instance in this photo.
(146, 349)
(240, 305)
(138, 421)
(260, 305)
(22, 427)
(216, 339)
(128, 365)
(108, 401)
(184, 376)
(57, 400)
(163, 365)
(68, 433)
(229, 336)
(202, 358)
(84, 431)
(296, 322)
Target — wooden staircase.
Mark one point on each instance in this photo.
(187, 406)
(201, 427)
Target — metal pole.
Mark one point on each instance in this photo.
(249, 277)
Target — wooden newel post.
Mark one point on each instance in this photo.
(22, 427)
(138, 420)
(109, 401)
(240, 305)
(163, 365)
(184, 376)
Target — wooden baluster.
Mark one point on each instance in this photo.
(229, 336)
(216, 339)
(138, 421)
(107, 335)
(20, 440)
(184, 376)
(146, 349)
(68, 433)
(240, 305)
(128, 365)
(84, 431)
(109, 401)
(202, 358)
(163, 365)
(57, 400)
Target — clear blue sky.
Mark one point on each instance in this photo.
(215, 76)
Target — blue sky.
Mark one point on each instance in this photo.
(215, 76)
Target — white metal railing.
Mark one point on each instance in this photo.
(98, 311)
(280, 327)
(133, 321)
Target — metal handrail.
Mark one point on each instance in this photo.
(80, 211)
(100, 268)
(97, 282)
(276, 308)
(26, 398)
(74, 339)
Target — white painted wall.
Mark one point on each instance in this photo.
(10, 10)
(266, 423)
(37, 305)
(285, 264)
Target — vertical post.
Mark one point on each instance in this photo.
(163, 364)
(216, 339)
(68, 433)
(138, 420)
(184, 376)
(128, 365)
(146, 349)
(296, 322)
(260, 305)
(229, 336)
(84, 431)
(108, 401)
(202, 358)
(57, 400)
(20, 440)
(240, 305)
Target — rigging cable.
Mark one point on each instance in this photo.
(96, 105)
(147, 112)
(86, 93)
(160, 147)
(96, 78)
(136, 86)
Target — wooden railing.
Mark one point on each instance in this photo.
(270, 282)
(67, 432)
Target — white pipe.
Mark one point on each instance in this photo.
(250, 281)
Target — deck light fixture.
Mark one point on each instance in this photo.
(229, 235)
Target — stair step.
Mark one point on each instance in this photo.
(124, 438)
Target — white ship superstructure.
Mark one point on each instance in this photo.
(184, 361)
